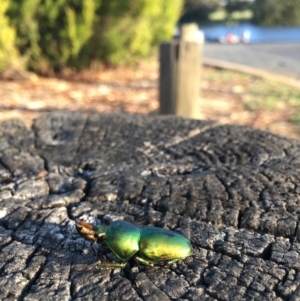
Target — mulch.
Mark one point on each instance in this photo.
(132, 90)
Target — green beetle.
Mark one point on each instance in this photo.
(150, 245)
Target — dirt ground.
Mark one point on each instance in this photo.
(135, 91)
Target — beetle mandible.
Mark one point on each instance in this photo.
(149, 245)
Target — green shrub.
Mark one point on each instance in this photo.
(52, 32)
(9, 55)
(128, 30)
(55, 34)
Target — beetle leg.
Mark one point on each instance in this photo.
(105, 265)
(111, 265)
(144, 261)
(152, 263)
(173, 261)
(91, 267)
(114, 263)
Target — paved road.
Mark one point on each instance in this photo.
(278, 58)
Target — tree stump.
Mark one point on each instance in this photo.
(233, 191)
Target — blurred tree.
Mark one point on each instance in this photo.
(199, 10)
(237, 5)
(9, 55)
(276, 12)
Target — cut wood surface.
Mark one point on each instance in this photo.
(233, 191)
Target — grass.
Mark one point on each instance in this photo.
(242, 15)
(218, 15)
(221, 15)
(269, 95)
(261, 94)
(255, 94)
(223, 74)
(296, 118)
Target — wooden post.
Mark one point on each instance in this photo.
(180, 67)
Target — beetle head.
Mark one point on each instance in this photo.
(86, 230)
(89, 231)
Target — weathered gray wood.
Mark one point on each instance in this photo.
(180, 69)
(232, 190)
